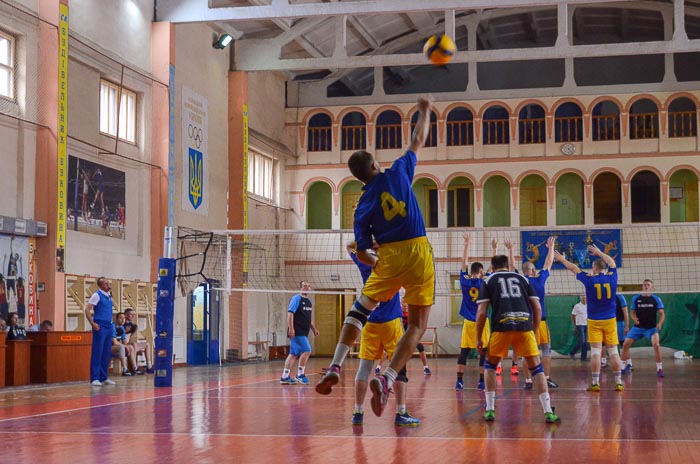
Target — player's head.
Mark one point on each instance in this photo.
(583, 298)
(129, 314)
(363, 166)
(46, 326)
(304, 286)
(476, 268)
(104, 284)
(120, 318)
(528, 269)
(499, 262)
(647, 286)
(599, 265)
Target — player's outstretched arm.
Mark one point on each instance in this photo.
(367, 258)
(511, 255)
(570, 266)
(465, 255)
(549, 260)
(594, 250)
(425, 106)
(351, 247)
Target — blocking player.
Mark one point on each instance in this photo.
(648, 316)
(388, 213)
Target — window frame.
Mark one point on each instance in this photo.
(254, 180)
(11, 66)
(122, 93)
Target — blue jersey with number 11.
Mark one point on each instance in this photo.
(388, 209)
(601, 291)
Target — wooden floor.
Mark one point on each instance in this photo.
(240, 413)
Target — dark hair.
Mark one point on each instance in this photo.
(129, 310)
(100, 280)
(600, 264)
(360, 165)
(476, 267)
(499, 262)
(46, 323)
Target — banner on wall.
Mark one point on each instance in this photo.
(195, 161)
(573, 244)
(62, 137)
(31, 283)
(14, 253)
(96, 198)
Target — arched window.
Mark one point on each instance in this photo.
(607, 199)
(682, 118)
(427, 197)
(460, 127)
(319, 201)
(320, 132)
(646, 197)
(683, 195)
(606, 121)
(350, 195)
(569, 195)
(460, 203)
(496, 202)
(644, 120)
(531, 127)
(533, 201)
(388, 131)
(431, 141)
(354, 131)
(495, 126)
(568, 123)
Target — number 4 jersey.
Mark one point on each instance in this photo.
(601, 291)
(508, 294)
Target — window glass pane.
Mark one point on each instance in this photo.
(104, 108)
(5, 50)
(251, 171)
(5, 82)
(463, 207)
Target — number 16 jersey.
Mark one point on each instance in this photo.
(508, 294)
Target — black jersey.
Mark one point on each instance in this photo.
(508, 294)
(646, 308)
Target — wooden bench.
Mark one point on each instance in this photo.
(429, 341)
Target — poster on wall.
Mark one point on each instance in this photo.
(14, 258)
(96, 198)
(195, 162)
(573, 244)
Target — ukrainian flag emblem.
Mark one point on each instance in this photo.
(196, 177)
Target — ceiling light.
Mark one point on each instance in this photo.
(222, 41)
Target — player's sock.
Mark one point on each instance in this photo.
(148, 365)
(300, 370)
(358, 409)
(490, 401)
(545, 402)
(285, 373)
(460, 375)
(595, 379)
(618, 377)
(401, 409)
(341, 352)
(658, 366)
(390, 375)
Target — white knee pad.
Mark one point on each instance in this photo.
(596, 351)
(364, 370)
(613, 351)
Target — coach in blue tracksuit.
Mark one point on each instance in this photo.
(101, 321)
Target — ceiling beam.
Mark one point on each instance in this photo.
(249, 58)
(364, 33)
(193, 11)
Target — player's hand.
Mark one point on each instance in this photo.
(508, 244)
(494, 244)
(550, 242)
(594, 250)
(291, 334)
(480, 347)
(658, 327)
(425, 103)
(316, 332)
(467, 237)
(95, 326)
(627, 329)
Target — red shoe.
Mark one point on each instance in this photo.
(514, 370)
(499, 370)
(380, 394)
(331, 377)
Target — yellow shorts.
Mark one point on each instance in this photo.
(523, 343)
(380, 337)
(542, 335)
(408, 264)
(604, 331)
(469, 334)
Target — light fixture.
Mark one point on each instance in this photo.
(222, 41)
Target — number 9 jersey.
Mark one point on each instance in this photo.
(601, 291)
(388, 209)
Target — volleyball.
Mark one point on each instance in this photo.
(439, 49)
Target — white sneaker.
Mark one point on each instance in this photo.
(96, 383)
(109, 382)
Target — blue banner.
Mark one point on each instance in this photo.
(573, 244)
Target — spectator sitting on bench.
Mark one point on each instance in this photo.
(45, 326)
(139, 345)
(14, 331)
(120, 348)
(3, 325)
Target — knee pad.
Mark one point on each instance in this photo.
(488, 365)
(358, 315)
(463, 355)
(364, 371)
(613, 351)
(538, 369)
(596, 351)
(546, 349)
(401, 377)
(420, 348)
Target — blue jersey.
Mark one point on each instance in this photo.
(386, 311)
(470, 292)
(601, 291)
(538, 282)
(620, 306)
(388, 209)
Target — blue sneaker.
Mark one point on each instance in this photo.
(302, 379)
(459, 385)
(377, 370)
(528, 386)
(627, 369)
(481, 385)
(426, 371)
(660, 373)
(406, 420)
(358, 418)
(288, 381)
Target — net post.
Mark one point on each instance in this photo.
(165, 309)
(229, 274)
(168, 242)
